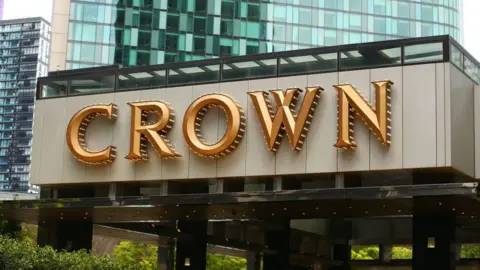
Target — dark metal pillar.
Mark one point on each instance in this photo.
(69, 235)
(253, 261)
(341, 234)
(433, 236)
(433, 243)
(192, 249)
(278, 240)
(166, 256)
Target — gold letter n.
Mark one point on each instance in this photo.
(351, 102)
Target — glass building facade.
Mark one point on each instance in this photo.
(24, 50)
(147, 32)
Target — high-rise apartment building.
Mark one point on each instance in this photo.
(24, 51)
(147, 32)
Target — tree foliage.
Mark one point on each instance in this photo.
(22, 255)
(140, 254)
(373, 253)
(470, 251)
(365, 253)
(402, 253)
(219, 262)
(145, 257)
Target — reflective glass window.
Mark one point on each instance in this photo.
(250, 69)
(355, 5)
(424, 53)
(369, 57)
(89, 32)
(308, 64)
(457, 57)
(92, 84)
(54, 88)
(403, 9)
(470, 69)
(90, 13)
(201, 74)
(136, 80)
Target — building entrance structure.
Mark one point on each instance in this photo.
(290, 158)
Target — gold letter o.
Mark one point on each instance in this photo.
(235, 125)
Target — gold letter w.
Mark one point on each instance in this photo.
(285, 118)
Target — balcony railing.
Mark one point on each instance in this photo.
(316, 60)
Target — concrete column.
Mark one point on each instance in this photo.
(215, 186)
(112, 191)
(433, 243)
(254, 184)
(192, 249)
(339, 180)
(164, 188)
(277, 183)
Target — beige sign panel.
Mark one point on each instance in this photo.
(253, 128)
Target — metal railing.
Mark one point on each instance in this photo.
(288, 63)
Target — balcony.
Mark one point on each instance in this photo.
(288, 63)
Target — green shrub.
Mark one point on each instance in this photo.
(23, 255)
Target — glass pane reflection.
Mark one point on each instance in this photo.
(150, 79)
(369, 57)
(54, 89)
(92, 84)
(308, 64)
(249, 69)
(424, 53)
(200, 74)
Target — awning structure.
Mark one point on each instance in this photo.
(457, 199)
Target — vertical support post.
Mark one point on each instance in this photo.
(164, 188)
(192, 248)
(215, 186)
(341, 234)
(433, 243)
(252, 184)
(253, 261)
(55, 193)
(278, 240)
(70, 235)
(277, 183)
(433, 235)
(339, 180)
(112, 191)
(385, 253)
(166, 255)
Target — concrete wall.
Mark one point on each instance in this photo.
(462, 122)
(476, 94)
(60, 19)
(419, 131)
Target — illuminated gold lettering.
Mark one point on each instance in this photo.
(235, 125)
(76, 131)
(285, 118)
(351, 103)
(155, 132)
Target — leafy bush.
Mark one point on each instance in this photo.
(23, 255)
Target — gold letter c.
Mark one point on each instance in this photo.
(77, 129)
